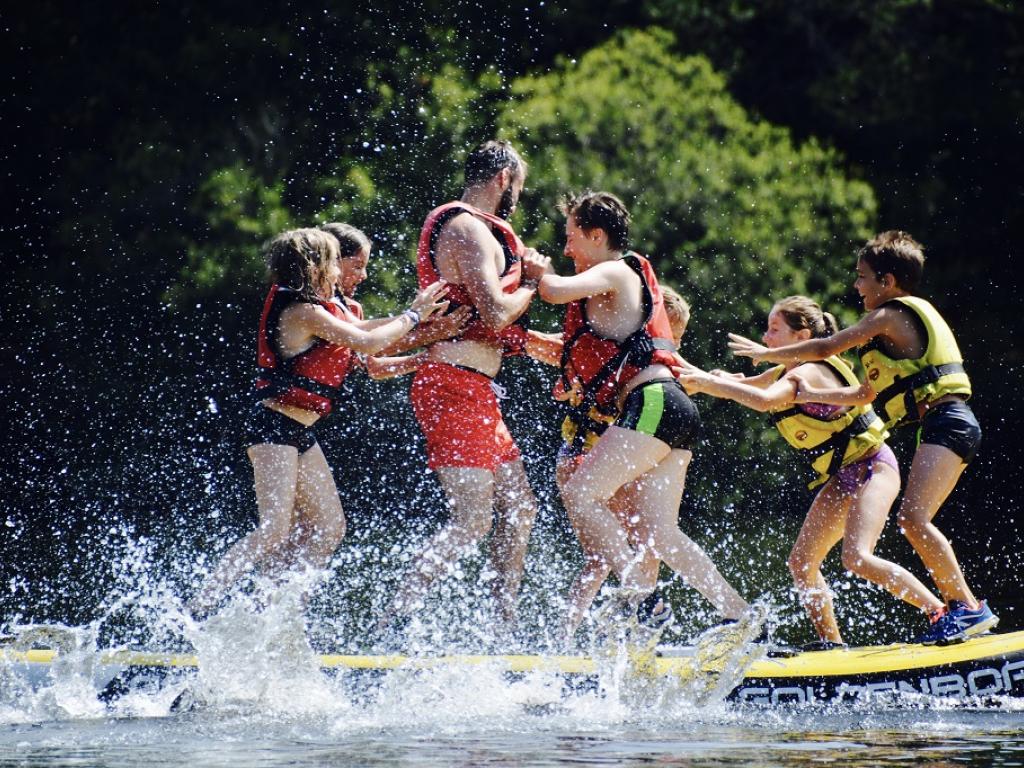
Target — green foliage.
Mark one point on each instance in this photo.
(731, 210)
(241, 212)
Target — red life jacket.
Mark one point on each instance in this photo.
(512, 339)
(352, 306)
(596, 368)
(311, 379)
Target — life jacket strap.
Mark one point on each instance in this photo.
(776, 416)
(510, 259)
(840, 441)
(280, 381)
(906, 387)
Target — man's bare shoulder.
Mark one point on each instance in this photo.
(464, 230)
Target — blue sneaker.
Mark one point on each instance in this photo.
(959, 623)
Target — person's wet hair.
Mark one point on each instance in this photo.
(600, 210)
(299, 259)
(898, 254)
(484, 162)
(351, 241)
(676, 307)
(802, 313)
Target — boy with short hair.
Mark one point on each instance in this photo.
(915, 373)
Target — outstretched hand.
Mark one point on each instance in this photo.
(718, 373)
(690, 376)
(431, 300)
(741, 346)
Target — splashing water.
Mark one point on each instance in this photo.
(260, 695)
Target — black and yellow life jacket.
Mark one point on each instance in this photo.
(581, 431)
(904, 383)
(831, 443)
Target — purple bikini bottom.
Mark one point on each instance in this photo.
(849, 477)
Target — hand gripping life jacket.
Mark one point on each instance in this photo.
(311, 379)
(904, 383)
(595, 368)
(831, 443)
(511, 339)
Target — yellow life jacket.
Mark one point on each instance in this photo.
(902, 384)
(831, 443)
(581, 431)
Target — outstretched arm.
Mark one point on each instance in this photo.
(806, 392)
(561, 289)
(435, 329)
(318, 322)
(768, 398)
(874, 324)
(762, 380)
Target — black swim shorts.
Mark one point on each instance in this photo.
(269, 426)
(660, 408)
(952, 425)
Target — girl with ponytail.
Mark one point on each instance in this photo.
(857, 472)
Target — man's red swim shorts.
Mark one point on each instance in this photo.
(459, 415)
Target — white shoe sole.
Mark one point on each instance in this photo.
(981, 627)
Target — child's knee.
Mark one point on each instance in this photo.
(910, 524)
(854, 559)
(800, 568)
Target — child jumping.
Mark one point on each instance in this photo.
(857, 472)
(915, 374)
(617, 346)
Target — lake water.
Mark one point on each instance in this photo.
(440, 732)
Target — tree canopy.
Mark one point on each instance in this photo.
(719, 199)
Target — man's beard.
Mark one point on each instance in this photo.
(507, 204)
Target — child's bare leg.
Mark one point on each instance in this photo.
(933, 475)
(619, 457)
(658, 496)
(320, 518)
(650, 564)
(821, 530)
(584, 589)
(595, 570)
(864, 523)
(515, 511)
(275, 471)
